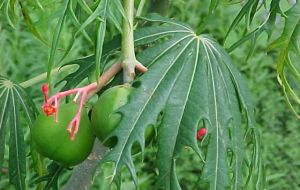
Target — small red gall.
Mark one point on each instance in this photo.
(49, 109)
(200, 134)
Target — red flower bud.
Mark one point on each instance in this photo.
(49, 109)
(45, 88)
(200, 134)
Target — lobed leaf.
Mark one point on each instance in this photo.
(13, 98)
(191, 79)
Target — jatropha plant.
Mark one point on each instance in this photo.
(158, 83)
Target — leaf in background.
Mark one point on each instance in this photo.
(13, 99)
(77, 24)
(247, 9)
(100, 36)
(29, 22)
(213, 5)
(55, 40)
(100, 15)
(116, 14)
(266, 26)
(190, 79)
(9, 10)
(54, 171)
(288, 43)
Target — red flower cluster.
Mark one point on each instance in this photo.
(48, 108)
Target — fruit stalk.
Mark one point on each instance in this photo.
(51, 105)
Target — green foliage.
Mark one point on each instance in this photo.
(98, 16)
(266, 26)
(12, 98)
(231, 147)
(288, 43)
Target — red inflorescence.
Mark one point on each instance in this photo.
(200, 134)
(49, 109)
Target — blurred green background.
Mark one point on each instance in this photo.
(23, 56)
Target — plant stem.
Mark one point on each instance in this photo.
(43, 76)
(129, 60)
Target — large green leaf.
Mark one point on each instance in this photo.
(13, 99)
(191, 80)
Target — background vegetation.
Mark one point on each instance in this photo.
(23, 56)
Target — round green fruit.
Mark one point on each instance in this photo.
(53, 141)
(105, 119)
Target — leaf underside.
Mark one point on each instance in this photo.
(191, 79)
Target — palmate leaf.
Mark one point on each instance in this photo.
(191, 79)
(13, 99)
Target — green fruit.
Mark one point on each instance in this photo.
(105, 118)
(53, 141)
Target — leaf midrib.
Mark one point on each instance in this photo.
(216, 116)
(187, 96)
(16, 140)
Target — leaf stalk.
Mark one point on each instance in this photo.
(129, 59)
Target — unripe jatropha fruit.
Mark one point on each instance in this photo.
(53, 141)
(105, 117)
